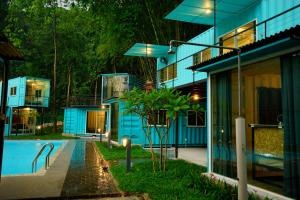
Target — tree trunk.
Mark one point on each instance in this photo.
(54, 75)
(96, 88)
(69, 87)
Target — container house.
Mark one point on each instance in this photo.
(27, 97)
(190, 130)
(267, 32)
(121, 124)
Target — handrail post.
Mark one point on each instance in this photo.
(34, 162)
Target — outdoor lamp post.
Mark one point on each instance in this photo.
(127, 143)
(99, 131)
(239, 122)
(108, 136)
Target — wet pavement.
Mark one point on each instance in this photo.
(86, 176)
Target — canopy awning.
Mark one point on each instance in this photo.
(148, 50)
(7, 50)
(202, 11)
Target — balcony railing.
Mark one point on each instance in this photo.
(84, 101)
(32, 100)
(284, 20)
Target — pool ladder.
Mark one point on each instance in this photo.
(34, 162)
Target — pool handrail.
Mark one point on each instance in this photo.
(34, 162)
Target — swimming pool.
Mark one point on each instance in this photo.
(18, 155)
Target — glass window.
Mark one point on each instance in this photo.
(202, 56)
(168, 73)
(262, 108)
(238, 37)
(160, 118)
(13, 91)
(195, 119)
(38, 93)
(114, 86)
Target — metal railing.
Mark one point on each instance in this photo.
(264, 24)
(47, 160)
(84, 101)
(32, 100)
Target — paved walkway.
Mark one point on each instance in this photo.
(86, 176)
(193, 155)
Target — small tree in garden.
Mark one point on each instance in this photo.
(148, 105)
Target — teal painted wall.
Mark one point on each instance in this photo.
(19, 98)
(130, 126)
(75, 120)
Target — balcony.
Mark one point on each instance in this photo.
(84, 101)
(38, 101)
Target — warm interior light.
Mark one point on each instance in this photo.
(207, 11)
(125, 142)
(103, 106)
(99, 130)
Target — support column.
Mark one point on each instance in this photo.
(3, 110)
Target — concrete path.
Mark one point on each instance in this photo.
(193, 155)
(86, 175)
(39, 185)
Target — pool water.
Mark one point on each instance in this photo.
(18, 155)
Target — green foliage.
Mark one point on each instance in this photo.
(147, 104)
(119, 152)
(182, 180)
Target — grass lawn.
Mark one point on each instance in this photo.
(119, 152)
(182, 181)
(57, 136)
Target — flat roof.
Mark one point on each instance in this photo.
(202, 11)
(7, 50)
(147, 50)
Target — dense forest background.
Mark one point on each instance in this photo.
(70, 41)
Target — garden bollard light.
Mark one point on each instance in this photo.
(127, 143)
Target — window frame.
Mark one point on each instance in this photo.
(235, 32)
(13, 91)
(38, 92)
(197, 125)
(158, 116)
(200, 54)
(173, 68)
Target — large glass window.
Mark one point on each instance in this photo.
(238, 37)
(114, 86)
(168, 73)
(266, 118)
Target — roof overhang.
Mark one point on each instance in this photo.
(148, 50)
(202, 11)
(7, 50)
(282, 43)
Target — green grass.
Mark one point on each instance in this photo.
(119, 152)
(182, 181)
(41, 137)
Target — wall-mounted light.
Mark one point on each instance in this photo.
(207, 11)
(196, 94)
